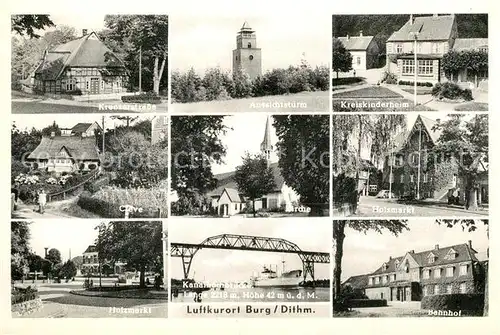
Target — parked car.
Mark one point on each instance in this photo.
(385, 194)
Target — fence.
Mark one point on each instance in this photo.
(62, 194)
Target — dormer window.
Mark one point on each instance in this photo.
(432, 258)
(451, 255)
(385, 266)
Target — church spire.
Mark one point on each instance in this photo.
(266, 146)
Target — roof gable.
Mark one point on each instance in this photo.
(470, 44)
(356, 42)
(429, 28)
(232, 195)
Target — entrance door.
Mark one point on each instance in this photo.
(94, 85)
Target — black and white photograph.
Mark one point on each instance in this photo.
(89, 64)
(251, 165)
(415, 164)
(411, 268)
(88, 269)
(89, 166)
(266, 63)
(374, 57)
(268, 264)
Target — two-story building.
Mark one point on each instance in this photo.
(364, 51)
(75, 149)
(412, 170)
(448, 270)
(82, 66)
(430, 37)
(91, 265)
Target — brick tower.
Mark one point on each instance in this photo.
(247, 56)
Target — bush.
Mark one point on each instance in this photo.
(346, 81)
(19, 295)
(149, 97)
(451, 91)
(419, 83)
(469, 304)
(390, 78)
(359, 303)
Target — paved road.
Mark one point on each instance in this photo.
(371, 206)
(59, 303)
(38, 107)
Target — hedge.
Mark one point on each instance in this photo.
(469, 304)
(451, 91)
(359, 303)
(411, 83)
(346, 81)
(111, 210)
(142, 98)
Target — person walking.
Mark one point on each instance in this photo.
(42, 201)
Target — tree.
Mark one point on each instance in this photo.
(243, 86)
(145, 34)
(54, 256)
(304, 157)
(466, 142)
(254, 177)
(196, 144)
(53, 128)
(341, 57)
(470, 225)
(339, 234)
(68, 270)
(218, 84)
(19, 249)
(78, 261)
(187, 87)
(137, 243)
(28, 24)
(474, 61)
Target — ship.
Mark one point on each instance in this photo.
(270, 278)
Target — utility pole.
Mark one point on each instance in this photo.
(390, 174)
(415, 68)
(103, 132)
(140, 69)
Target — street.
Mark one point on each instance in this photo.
(58, 302)
(43, 107)
(375, 207)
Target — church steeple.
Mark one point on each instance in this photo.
(266, 146)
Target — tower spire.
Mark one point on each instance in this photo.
(266, 146)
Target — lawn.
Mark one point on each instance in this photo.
(472, 107)
(420, 90)
(386, 105)
(290, 103)
(374, 92)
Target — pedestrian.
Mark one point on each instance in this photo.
(42, 201)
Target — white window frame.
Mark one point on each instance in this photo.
(425, 67)
(463, 288)
(449, 271)
(426, 274)
(408, 67)
(449, 289)
(437, 273)
(463, 269)
(399, 48)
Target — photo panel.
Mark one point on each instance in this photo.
(261, 69)
(250, 165)
(231, 268)
(88, 269)
(89, 166)
(408, 165)
(411, 268)
(374, 57)
(89, 64)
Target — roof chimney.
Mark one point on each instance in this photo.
(470, 244)
(84, 32)
(361, 33)
(46, 252)
(411, 251)
(411, 19)
(390, 257)
(436, 247)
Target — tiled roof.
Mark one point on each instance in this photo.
(79, 148)
(355, 282)
(80, 128)
(464, 253)
(90, 248)
(356, 42)
(86, 51)
(470, 43)
(402, 137)
(429, 28)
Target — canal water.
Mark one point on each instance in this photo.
(260, 294)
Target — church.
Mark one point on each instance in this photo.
(247, 57)
(227, 200)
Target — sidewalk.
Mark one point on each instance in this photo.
(436, 204)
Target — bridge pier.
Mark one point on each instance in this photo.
(186, 264)
(308, 268)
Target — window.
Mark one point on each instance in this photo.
(463, 270)
(358, 60)
(399, 48)
(425, 67)
(408, 66)
(449, 289)
(426, 274)
(371, 281)
(432, 258)
(437, 273)
(436, 48)
(463, 288)
(377, 280)
(402, 179)
(249, 45)
(436, 289)
(411, 178)
(87, 84)
(449, 272)
(452, 254)
(235, 207)
(430, 290)
(69, 85)
(426, 177)
(384, 279)
(392, 277)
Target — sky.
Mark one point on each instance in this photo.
(64, 234)
(235, 265)
(204, 42)
(247, 135)
(364, 254)
(64, 120)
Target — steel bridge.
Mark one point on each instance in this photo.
(186, 251)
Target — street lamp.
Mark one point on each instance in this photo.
(415, 69)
